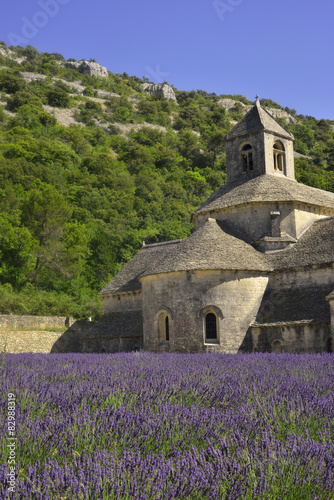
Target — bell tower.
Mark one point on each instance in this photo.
(259, 145)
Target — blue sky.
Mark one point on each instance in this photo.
(280, 50)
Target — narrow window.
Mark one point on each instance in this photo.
(278, 157)
(163, 328)
(245, 162)
(247, 157)
(211, 326)
(167, 328)
(330, 344)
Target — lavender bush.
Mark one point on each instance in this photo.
(170, 426)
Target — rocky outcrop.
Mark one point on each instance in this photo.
(162, 89)
(30, 77)
(88, 68)
(6, 52)
(104, 94)
(231, 104)
(280, 113)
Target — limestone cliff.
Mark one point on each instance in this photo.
(162, 89)
(88, 68)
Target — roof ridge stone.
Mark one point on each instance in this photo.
(161, 243)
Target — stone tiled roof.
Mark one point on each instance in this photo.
(214, 246)
(116, 324)
(209, 247)
(266, 187)
(127, 279)
(255, 120)
(294, 305)
(315, 247)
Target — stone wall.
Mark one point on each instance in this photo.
(254, 219)
(125, 301)
(294, 338)
(31, 333)
(27, 341)
(262, 150)
(186, 297)
(9, 322)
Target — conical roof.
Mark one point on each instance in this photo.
(210, 247)
(255, 120)
(266, 188)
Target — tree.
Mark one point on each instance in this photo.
(17, 251)
(215, 140)
(45, 212)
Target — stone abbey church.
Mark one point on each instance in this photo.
(256, 274)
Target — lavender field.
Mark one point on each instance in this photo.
(169, 426)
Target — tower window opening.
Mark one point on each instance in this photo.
(247, 157)
(279, 155)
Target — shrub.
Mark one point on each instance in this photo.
(21, 98)
(58, 98)
(11, 83)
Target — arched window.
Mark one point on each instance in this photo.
(164, 326)
(277, 346)
(211, 318)
(247, 157)
(210, 326)
(279, 157)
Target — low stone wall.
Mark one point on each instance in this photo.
(31, 333)
(9, 322)
(28, 341)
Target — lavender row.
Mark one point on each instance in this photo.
(171, 426)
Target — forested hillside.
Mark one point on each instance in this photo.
(87, 175)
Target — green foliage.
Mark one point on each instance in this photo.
(11, 82)
(17, 247)
(269, 103)
(89, 91)
(58, 98)
(21, 98)
(76, 202)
